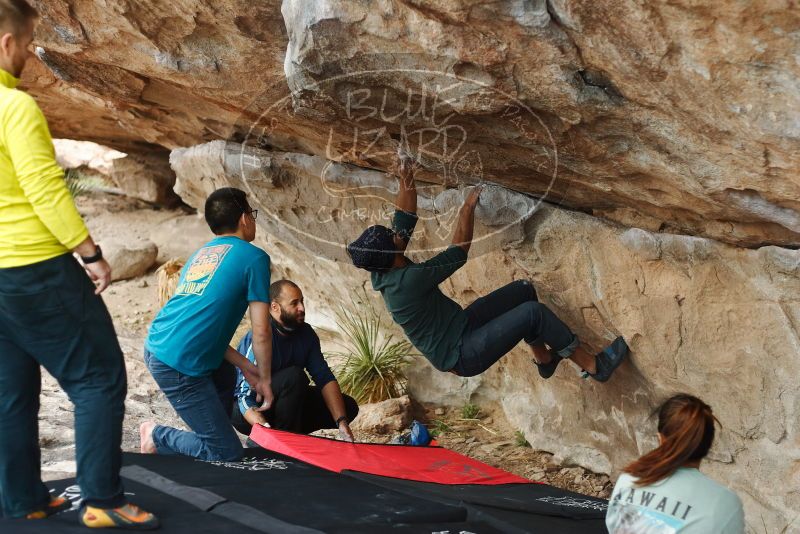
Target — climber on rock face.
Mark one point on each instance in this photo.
(465, 341)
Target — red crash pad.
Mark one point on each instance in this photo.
(423, 464)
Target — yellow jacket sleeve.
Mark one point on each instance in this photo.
(30, 148)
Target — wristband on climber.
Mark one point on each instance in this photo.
(98, 255)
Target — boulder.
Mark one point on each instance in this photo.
(386, 417)
(701, 316)
(85, 156)
(178, 237)
(129, 259)
(146, 176)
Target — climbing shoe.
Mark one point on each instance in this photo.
(127, 517)
(56, 505)
(546, 370)
(608, 360)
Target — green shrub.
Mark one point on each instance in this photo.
(470, 411)
(373, 368)
(520, 440)
(439, 427)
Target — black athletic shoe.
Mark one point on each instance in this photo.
(608, 360)
(546, 370)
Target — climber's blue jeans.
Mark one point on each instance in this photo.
(503, 318)
(201, 406)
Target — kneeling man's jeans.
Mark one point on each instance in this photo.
(196, 400)
(503, 318)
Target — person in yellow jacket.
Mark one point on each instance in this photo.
(51, 314)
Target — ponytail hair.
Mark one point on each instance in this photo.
(687, 426)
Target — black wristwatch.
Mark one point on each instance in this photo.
(339, 420)
(98, 255)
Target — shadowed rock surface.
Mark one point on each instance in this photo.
(668, 116)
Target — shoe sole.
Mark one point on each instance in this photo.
(121, 522)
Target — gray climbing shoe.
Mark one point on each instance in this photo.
(609, 359)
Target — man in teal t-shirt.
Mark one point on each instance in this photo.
(465, 341)
(189, 338)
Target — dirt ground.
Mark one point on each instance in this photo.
(485, 436)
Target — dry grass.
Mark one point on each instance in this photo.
(168, 276)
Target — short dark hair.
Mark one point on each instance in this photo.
(15, 15)
(223, 209)
(276, 288)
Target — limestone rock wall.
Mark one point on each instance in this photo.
(664, 115)
(662, 136)
(702, 317)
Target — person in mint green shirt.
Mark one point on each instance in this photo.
(187, 347)
(663, 492)
(464, 341)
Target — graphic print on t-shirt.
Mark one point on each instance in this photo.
(200, 272)
(645, 512)
(636, 520)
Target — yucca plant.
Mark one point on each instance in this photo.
(79, 184)
(373, 368)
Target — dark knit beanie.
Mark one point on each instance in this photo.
(373, 250)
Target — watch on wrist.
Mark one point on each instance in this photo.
(98, 255)
(340, 419)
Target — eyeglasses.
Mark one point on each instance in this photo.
(254, 213)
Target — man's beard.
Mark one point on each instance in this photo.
(290, 322)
